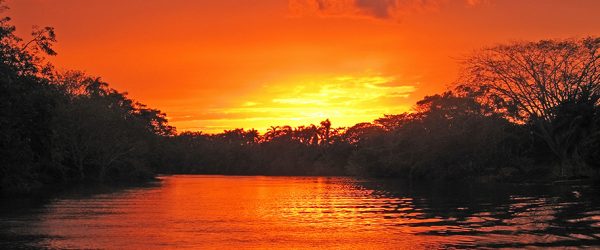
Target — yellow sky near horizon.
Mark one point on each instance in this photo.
(215, 65)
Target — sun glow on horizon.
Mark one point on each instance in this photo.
(345, 100)
(220, 65)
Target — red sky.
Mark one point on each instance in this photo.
(215, 65)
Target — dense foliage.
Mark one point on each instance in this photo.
(67, 127)
(524, 110)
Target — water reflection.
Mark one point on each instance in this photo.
(504, 216)
(307, 212)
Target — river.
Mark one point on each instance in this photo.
(248, 212)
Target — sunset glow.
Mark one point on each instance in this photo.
(299, 124)
(215, 65)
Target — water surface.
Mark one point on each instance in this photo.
(305, 212)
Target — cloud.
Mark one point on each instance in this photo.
(343, 91)
(378, 9)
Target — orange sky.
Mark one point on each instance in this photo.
(214, 65)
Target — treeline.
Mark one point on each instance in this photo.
(450, 136)
(282, 150)
(519, 111)
(66, 127)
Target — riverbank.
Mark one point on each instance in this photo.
(509, 176)
(49, 189)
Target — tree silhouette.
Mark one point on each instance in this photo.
(65, 127)
(324, 131)
(533, 81)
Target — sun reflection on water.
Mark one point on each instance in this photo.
(304, 212)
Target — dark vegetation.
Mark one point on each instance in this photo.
(520, 111)
(58, 128)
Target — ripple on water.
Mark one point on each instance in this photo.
(307, 212)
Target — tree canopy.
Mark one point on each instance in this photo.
(552, 84)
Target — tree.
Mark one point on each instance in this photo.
(306, 134)
(361, 132)
(391, 122)
(533, 82)
(240, 136)
(27, 101)
(324, 131)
